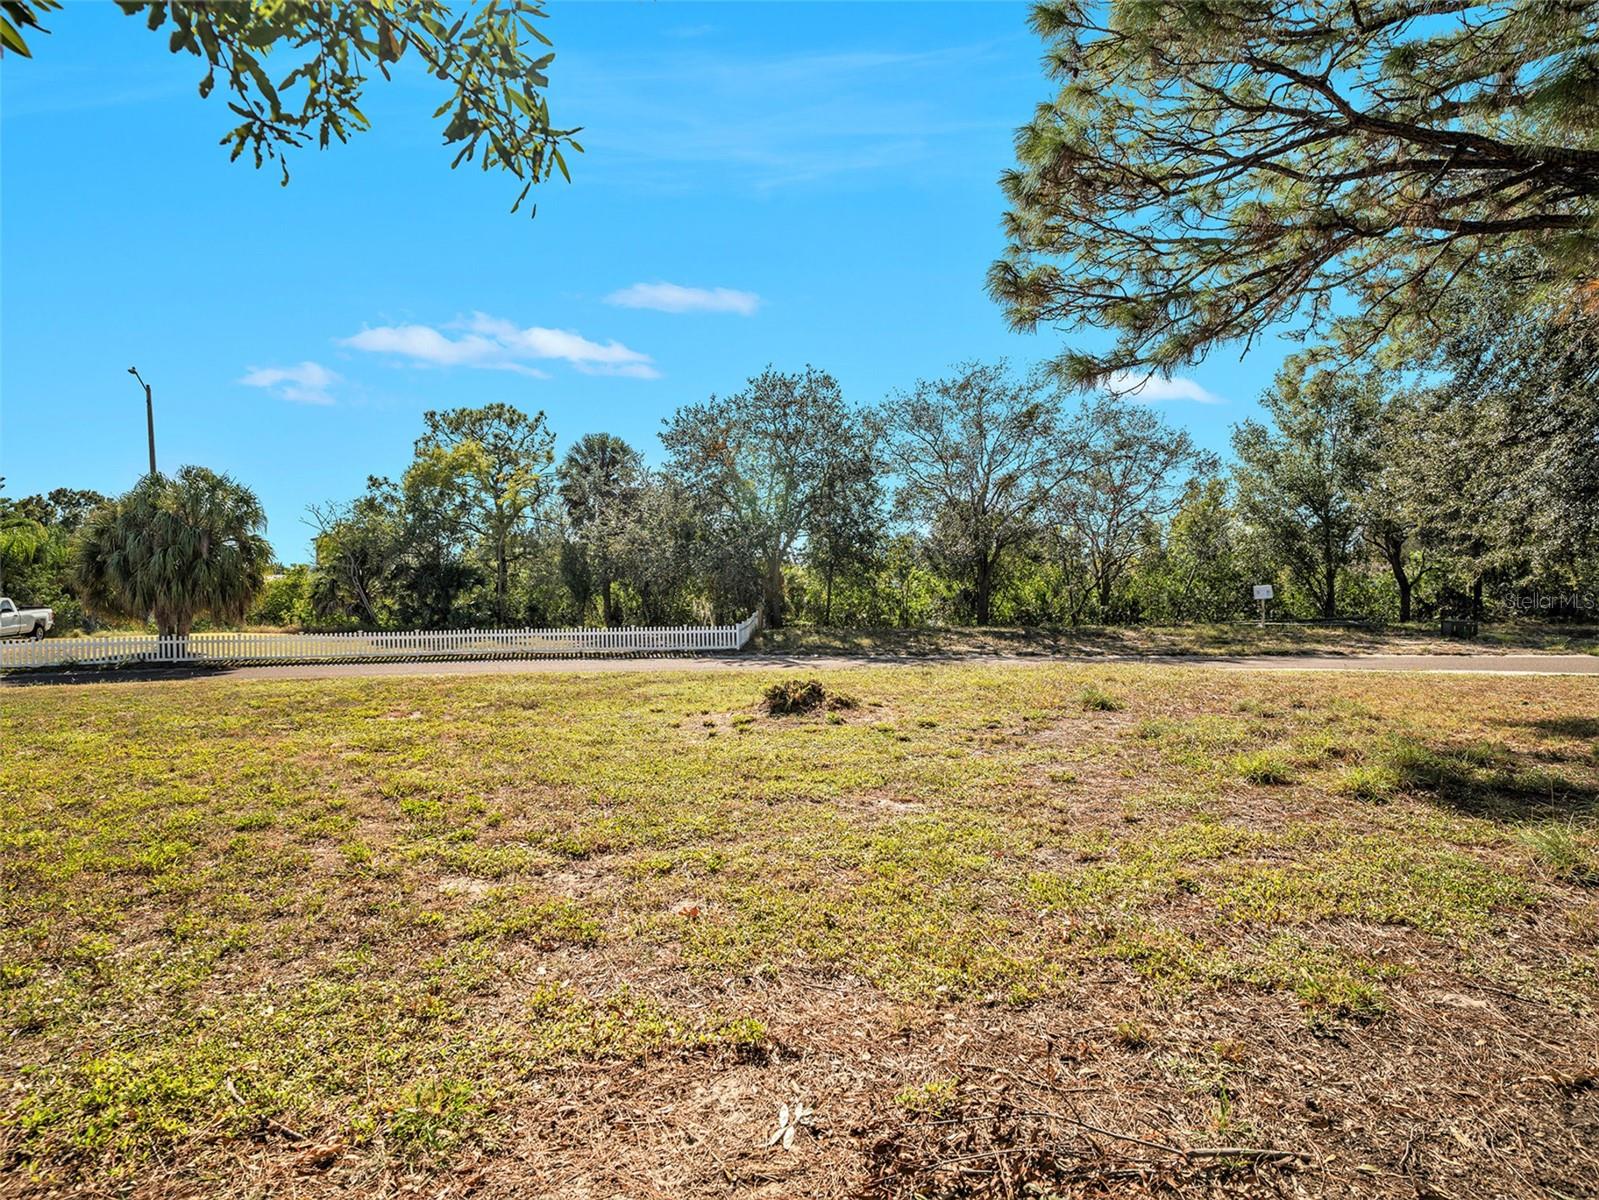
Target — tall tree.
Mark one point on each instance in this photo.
(492, 57)
(976, 455)
(1201, 571)
(34, 536)
(173, 549)
(22, 539)
(846, 525)
(1208, 169)
(1128, 473)
(658, 551)
(494, 463)
(759, 463)
(1500, 438)
(598, 480)
(393, 556)
(62, 508)
(357, 547)
(1300, 480)
(1387, 519)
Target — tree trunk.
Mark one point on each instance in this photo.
(1078, 604)
(1393, 550)
(772, 600)
(985, 588)
(1476, 598)
(827, 602)
(607, 604)
(1329, 595)
(501, 582)
(174, 631)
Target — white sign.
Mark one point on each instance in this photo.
(1263, 591)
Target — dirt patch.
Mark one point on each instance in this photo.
(464, 885)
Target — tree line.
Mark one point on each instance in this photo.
(1413, 182)
(1460, 482)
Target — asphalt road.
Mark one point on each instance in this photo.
(1477, 664)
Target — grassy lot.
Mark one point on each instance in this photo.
(1104, 930)
(1217, 639)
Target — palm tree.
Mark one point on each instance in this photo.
(173, 549)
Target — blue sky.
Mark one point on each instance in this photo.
(762, 183)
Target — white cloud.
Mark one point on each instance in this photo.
(769, 122)
(1159, 387)
(306, 383)
(675, 298)
(495, 344)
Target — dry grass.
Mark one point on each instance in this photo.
(1089, 931)
(1201, 639)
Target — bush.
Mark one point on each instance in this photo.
(284, 600)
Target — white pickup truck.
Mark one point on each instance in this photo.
(24, 622)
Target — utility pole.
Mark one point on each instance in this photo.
(149, 414)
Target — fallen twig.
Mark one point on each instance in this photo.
(293, 1135)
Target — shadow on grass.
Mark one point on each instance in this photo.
(1565, 727)
(57, 677)
(1488, 780)
(1086, 641)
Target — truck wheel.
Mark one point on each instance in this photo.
(38, 633)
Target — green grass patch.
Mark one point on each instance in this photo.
(1263, 767)
(1097, 699)
(382, 911)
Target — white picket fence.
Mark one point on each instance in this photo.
(228, 648)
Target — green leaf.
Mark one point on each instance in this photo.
(11, 40)
(518, 99)
(260, 77)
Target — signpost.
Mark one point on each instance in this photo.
(1263, 593)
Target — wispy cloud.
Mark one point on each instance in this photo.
(775, 121)
(1160, 387)
(494, 344)
(675, 298)
(305, 383)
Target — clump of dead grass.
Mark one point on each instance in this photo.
(794, 697)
